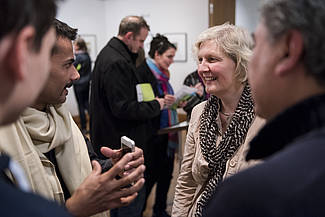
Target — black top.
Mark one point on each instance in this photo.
(291, 180)
(15, 202)
(114, 109)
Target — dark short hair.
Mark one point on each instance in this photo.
(63, 30)
(17, 14)
(132, 24)
(160, 44)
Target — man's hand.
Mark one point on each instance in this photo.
(115, 155)
(100, 192)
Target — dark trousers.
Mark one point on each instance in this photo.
(82, 96)
(159, 169)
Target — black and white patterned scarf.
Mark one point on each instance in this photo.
(232, 139)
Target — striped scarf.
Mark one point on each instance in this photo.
(232, 139)
(168, 117)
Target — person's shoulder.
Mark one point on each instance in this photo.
(198, 109)
(283, 170)
(143, 67)
(286, 184)
(245, 193)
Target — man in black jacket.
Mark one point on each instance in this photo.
(26, 40)
(114, 108)
(287, 77)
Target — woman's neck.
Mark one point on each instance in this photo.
(230, 101)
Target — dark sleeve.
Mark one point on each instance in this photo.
(120, 89)
(106, 164)
(15, 202)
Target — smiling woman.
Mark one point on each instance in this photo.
(220, 128)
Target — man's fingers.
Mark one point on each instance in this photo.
(97, 169)
(127, 200)
(134, 164)
(118, 168)
(127, 191)
(110, 153)
(137, 153)
(132, 177)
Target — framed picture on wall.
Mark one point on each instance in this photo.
(180, 41)
(91, 41)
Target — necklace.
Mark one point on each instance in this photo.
(227, 114)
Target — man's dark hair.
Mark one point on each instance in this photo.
(63, 30)
(132, 24)
(160, 44)
(17, 14)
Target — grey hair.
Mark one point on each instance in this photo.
(305, 16)
(234, 41)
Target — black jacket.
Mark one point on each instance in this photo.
(146, 76)
(114, 109)
(291, 180)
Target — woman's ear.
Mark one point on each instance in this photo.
(156, 54)
(291, 54)
(21, 49)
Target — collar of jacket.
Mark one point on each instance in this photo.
(123, 49)
(289, 125)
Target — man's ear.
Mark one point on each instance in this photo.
(19, 52)
(292, 53)
(129, 35)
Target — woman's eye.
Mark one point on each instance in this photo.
(214, 59)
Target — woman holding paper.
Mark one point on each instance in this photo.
(159, 152)
(220, 128)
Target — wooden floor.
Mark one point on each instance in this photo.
(171, 192)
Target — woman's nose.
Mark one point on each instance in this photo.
(203, 66)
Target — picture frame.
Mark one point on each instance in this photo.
(180, 41)
(91, 41)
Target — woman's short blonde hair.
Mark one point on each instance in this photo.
(234, 41)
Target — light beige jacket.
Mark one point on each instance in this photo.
(194, 169)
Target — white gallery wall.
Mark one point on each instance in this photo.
(168, 16)
(102, 17)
